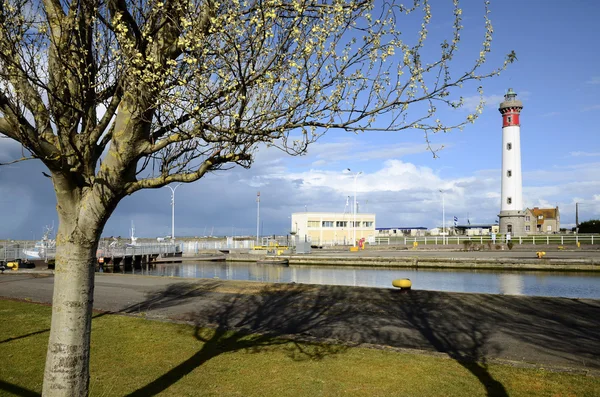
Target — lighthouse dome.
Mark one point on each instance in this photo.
(510, 101)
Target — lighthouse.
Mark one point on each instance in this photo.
(512, 216)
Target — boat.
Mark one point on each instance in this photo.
(134, 242)
(41, 247)
(116, 241)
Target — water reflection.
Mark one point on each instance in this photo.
(563, 284)
(511, 284)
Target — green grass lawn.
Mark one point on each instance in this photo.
(142, 357)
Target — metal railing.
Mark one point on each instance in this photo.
(16, 251)
(190, 247)
(547, 239)
(11, 252)
(136, 250)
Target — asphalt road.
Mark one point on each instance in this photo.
(544, 331)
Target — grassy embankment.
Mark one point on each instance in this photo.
(134, 355)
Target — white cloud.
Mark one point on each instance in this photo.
(585, 154)
(594, 80)
(399, 192)
(470, 103)
(589, 108)
(551, 114)
(355, 150)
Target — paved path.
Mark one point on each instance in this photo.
(548, 331)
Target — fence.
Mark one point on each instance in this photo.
(555, 239)
(9, 252)
(194, 247)
(142, 249)
(16, 251)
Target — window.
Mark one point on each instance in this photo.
(509, 119)
(509, 173)
(313, 223)
(528, 219)
(541, 217)
(527, 228)
(367, 224)
(327, 223)
(508, 228)
(509, 200)
(356, 224)
(508, 146)
(549, 228)
(341, 224)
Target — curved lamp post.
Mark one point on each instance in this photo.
(173, 210)
(354, 209)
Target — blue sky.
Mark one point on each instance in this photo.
(557, 77)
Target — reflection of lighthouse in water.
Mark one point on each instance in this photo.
(511, 284)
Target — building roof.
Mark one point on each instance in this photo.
(473, 226)
(546, 213)
(317, 213)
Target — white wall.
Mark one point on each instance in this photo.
(511, 160)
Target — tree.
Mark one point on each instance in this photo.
(591, 226)
(120, 95)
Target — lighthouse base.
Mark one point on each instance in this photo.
(512, 222)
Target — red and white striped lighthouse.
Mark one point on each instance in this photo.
(512, 215)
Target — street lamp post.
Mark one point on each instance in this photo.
(173, 210)
(443, 218)
(257, 217)
(354, 209)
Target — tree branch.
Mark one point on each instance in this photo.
(207, 165)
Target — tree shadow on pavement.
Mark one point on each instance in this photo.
(172, 295)
(254, 321)
(426, 320)
(568, 329)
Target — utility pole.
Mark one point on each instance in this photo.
(354, 209)
(443, 218)
(577, 218)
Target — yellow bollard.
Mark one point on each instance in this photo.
(402, 283)
(13, 265)
(540, 254)
(415, 244)
(578, 244)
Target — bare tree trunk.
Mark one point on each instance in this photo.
(67, 360)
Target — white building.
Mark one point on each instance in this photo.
(400, 231)
(333, 228)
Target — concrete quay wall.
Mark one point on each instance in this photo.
(583, 264)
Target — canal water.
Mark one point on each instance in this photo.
(531, 283)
